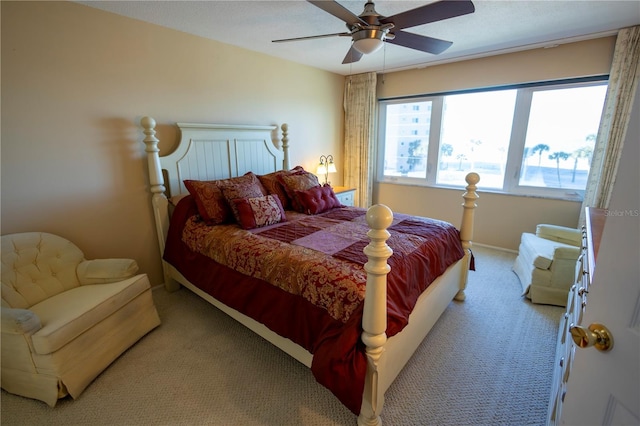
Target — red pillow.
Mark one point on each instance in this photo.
(259, 211)
(272, 184)
(318, 200)
(300, 181)
(212, 204)
(246, 189)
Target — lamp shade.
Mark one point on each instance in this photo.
(370, 40)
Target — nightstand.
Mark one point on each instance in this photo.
(345, 195)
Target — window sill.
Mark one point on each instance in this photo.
(573, 198)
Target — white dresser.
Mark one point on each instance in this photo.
(576, 304)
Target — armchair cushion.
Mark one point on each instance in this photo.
(544, 251)
(100, 271)
(561, 234)
(67, 315)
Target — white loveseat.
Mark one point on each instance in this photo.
(546, 263)
(65, 318)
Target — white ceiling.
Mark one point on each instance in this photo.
(497, 26)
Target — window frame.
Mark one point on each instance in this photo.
(514, 161)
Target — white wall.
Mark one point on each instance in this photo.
(75, 83)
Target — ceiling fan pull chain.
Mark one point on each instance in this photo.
(384, 61)
(350, 72)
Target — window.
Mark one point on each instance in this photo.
(476, 129)
(529, 140)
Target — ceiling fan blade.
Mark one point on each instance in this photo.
(338, 11)
(352, 56)
(419, 42)
(431, 12)
(310, 37)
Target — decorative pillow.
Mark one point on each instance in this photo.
(212, 204)
(300, 181)
(318, 199)
(247, 188)
(259, 211)
(272, 184)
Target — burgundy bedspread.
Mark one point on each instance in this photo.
(304, 278)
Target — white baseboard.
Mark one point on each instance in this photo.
(494, 248)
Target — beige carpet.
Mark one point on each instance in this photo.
(487, 361)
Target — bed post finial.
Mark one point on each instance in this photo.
(150, 140)
(374, 316)
(148, 123)
(285, 146)
(466, 227)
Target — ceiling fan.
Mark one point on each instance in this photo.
(370, 30)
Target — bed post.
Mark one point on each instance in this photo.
(466, 228)
(285, 146)
(158, 200)
(374, 317)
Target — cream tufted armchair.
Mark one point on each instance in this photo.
(546, 263)
(64, 318)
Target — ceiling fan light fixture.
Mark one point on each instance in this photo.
(368, 41)
(369, 30)
(367, 45)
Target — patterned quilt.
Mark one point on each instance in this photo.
(317, 257)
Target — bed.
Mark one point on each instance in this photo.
(369, 342)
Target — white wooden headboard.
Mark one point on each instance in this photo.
(209, 152)
(221, 151)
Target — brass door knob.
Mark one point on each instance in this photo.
(597, 335)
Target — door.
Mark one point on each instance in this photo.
(604, 387)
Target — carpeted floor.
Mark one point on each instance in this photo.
(487, 361)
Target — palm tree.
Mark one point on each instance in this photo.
(540, 148)
(446, 150)
(591, 140)
(560, 155)
(584, 152)
(472, 144)
(416, 153)
(461, 157)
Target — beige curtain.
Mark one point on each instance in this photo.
(623, 79)
(360, 135)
